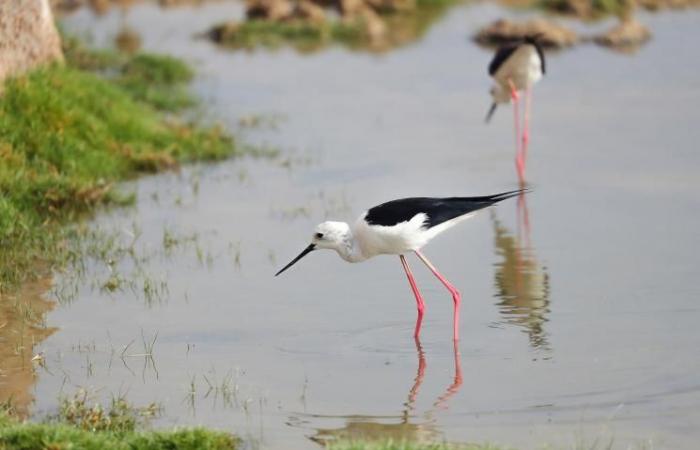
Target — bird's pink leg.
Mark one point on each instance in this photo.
(516, 114)
(419, 299)
(526, 125)
(456, 298)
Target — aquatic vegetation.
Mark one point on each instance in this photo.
(119, 417)
(67, 135)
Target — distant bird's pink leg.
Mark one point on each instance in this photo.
(526, 125)
(455, 293)
(419, 299)
(516, 114)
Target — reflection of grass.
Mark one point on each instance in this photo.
(83, 426)
(402, 28)
(66, 135)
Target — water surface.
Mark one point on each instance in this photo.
(580, 313)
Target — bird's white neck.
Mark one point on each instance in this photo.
(350, 249)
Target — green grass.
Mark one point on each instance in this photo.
(57, 436)
(159, 80)
(67, 135)
(80, 426)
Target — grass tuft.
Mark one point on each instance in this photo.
(31, 436)
(158, 80)
(80, 425)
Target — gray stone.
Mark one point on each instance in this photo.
(28, 36)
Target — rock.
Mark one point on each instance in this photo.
(274, 10)
(374, 25)
(309, 12)
(28, 36)
(550, 33)
(628, 33)
(351, 8)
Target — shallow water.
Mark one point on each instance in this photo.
(580, 315)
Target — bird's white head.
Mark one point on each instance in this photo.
(327, 235)
(331, 235)
(499, 95)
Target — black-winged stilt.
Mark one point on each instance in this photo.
(398, 227)
(516, 67)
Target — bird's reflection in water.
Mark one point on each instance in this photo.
(522, 284)
(408, 426)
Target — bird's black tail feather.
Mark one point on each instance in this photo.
(506, 195)
(488, 200)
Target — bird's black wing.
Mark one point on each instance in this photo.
(502, 54)
(533, 40)
(437, 210)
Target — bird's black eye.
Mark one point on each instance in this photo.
(318, 235)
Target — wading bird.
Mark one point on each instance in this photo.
(398, 227)
(516, 67)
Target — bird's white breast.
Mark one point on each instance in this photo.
(523, 68)
(395, 240)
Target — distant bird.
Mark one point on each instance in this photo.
(398, 227)
(516, 67)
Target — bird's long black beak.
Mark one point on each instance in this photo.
(492, 110)
(307, 250)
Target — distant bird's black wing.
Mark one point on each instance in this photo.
(502, 54)
(438, 210)
(532, 40)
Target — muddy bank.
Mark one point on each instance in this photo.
(629, 34)
(549, 34)
(307, 25)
